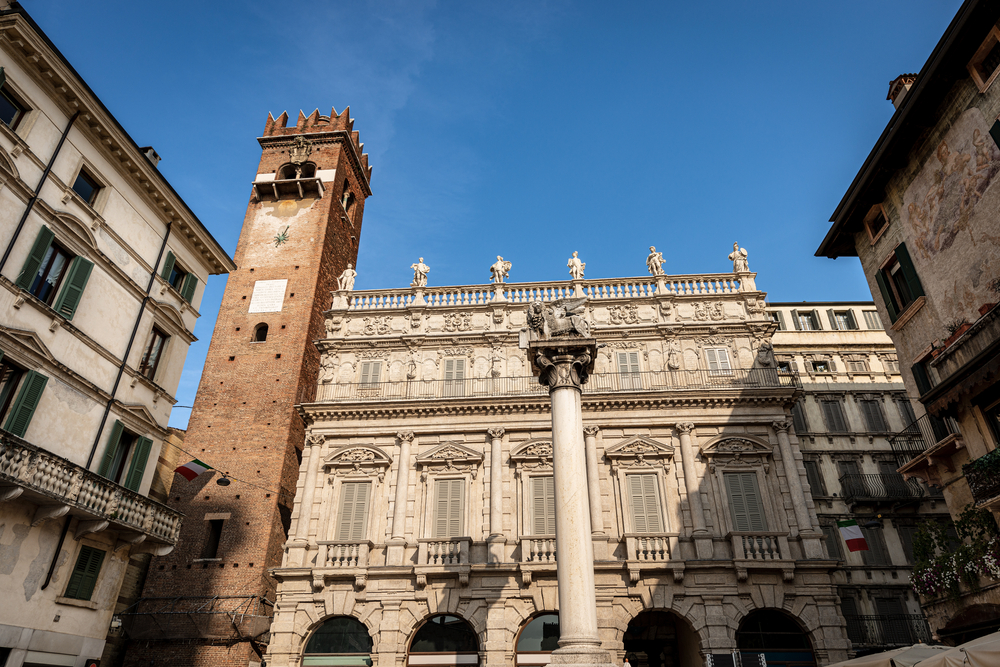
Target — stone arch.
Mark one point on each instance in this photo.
(368, 621)
(657, 600)
(478, 634)
(754, 439)
(77, 228)
(7, 162)
(658, 636)
(773, 617)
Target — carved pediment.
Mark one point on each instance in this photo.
(736, 446)
(137, 417)
(639, 447)
(358, 459)
(533, 450)
(450, 456)
(26, 339)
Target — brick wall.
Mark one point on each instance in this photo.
(244, 421)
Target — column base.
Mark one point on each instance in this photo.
(812, 544)
(600, 541)
(497, 548)
(582, 656)
(395, 552)
(703, 546)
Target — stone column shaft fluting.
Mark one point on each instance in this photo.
(402, 486)
(593, 480)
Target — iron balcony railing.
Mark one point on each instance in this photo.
(880, 486)
(646, 381)
(922, 434)
(888, 630)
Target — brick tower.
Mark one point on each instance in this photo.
(300, 231)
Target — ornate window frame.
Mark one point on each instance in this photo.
(532, 458)
(351, 463)
(742, 453)
(449, 460)
(638, 455)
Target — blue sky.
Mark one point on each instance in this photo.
(527, 129)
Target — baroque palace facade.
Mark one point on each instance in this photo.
(423, 525)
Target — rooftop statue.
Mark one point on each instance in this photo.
(739, 259)
(576, 267)
(420, 271)
(500, 270)
(563, 317)
(654, 262)
(346, 280)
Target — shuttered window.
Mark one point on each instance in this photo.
(121, 443)
(898, 282)
(745, 502)
(872, 320)
(805, 320)
(454, 377)
(190, 284)
(370, 372)
(50, 269)
(33, 264)
(872, 411)
(841, 320)
(628, 370)
(906, 411)
(906, 535)
(779, 318)
(72, 291)
(352, 522)
(168, 266)
(24, 406)
(84, 578)
(833, 415)
(449, 507)
(833, 542)
(543, 506)
(815, 477)
(718, 361)
(799, 417)
(645, 499)
(877, 553)
(137, 467)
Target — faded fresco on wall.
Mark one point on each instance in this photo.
(952, 208)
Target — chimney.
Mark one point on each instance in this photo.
(898, 88)
(151, 155)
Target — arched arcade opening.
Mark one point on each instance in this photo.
(444, 641)
(657, 638)
(342, 640)
(777, 636)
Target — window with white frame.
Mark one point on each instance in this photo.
(449, 508)
(841, 320)
(454, 377)
(805, 320)
(644, 498)
(543, 505)
(370, 372)
(745, 502)
(717, 359)
(628, 370)
(352, 517)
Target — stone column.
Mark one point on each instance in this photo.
(810, 538)
(397, 545)
(563, 365)
(598, 536)
(299, 546)
(702, 538)
(496, 539)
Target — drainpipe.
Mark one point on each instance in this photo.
(38, 190)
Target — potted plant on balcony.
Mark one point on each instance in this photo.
(942, 566)
(955, 329)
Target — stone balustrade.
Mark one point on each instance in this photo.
(38, 476)
(523, 293)
(453, 551)
(538, 549)
(649, 548)
(344, 553)
(760, 546)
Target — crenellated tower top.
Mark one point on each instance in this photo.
(315, 123)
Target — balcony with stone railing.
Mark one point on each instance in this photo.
(761, 550)
(342, 559)
(59, 487)
(445, 557)
(733, 380)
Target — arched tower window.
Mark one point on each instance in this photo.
(260, 333)
(308, 170)
(288, 172)
(341, 640)
(347, 199)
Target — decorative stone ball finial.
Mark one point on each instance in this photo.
(654, 262)
(420, 271)
(739, 259)
(500, 270)
(576, 267)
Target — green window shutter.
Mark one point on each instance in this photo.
(890, 305)
(906, 265)
(799, 417)
(168, 266)
(852, 320)
(543, 505)
(781, 320)
(833, 319)
(111, 449)
(84, 578)
(72, 292)
(795, 320)
(190, 283)
(25, 403)
(745, 502)
(449, 508)
(35, 257)
(353, 517)
(137, 468)
(815, 479)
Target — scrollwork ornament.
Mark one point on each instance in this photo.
(685, 427)
(591, 431)
(316, 439)
(405, 436)
(496, 432)
(780, 426)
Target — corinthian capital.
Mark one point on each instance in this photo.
(780, 426)
(591, 431)
(496, 432)
(563, 368)
(405, 436)
(685, 427)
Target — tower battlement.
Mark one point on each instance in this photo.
(316, 123)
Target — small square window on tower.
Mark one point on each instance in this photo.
(985, 64)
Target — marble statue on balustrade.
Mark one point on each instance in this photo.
(576, 267)
(739, 259)
(500, 270)
(420, 271)
(654, 262)
(345, 282)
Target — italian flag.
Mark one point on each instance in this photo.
(193, 469)
(851, 532)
